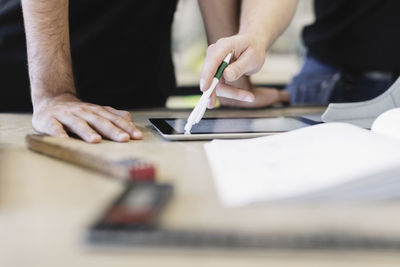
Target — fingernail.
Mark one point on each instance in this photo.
(123, 136)
(137, 134)
(202, 84)
(94, 138)
(248, 99)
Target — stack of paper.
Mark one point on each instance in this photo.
(333, 161)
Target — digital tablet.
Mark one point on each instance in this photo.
(222, 128)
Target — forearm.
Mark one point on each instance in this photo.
(55, 105)
(250, 28)
(48, 44)
(221, 18)
(266, 19)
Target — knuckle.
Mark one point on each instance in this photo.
(118, 121)
(127, 115)
(89, 105)
(238, 69)
(79, 109)
(251, 52)
(235, 70)
(97, 108)
(223, 40)
(63, 113)
(210, 50)
(97, 120)
(211, 47)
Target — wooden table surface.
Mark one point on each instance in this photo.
(46, 206)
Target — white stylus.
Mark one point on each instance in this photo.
(201, 106)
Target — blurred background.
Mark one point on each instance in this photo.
(190, 44)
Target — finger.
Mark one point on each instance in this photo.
(127, 116)
(79, 127)
(54, 128)
(213, 100)
(104, 127)
(122, 113)
(215, 55)
(122, 122)
(264, 97)
(243, 65)
(229, 91)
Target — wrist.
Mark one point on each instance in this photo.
(257, 36)
(42, 100)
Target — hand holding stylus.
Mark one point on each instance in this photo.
(201, 106)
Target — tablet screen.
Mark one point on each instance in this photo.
(238, 125)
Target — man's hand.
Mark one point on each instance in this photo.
(57, 115)
(263, 96)
(248, 57)
(248, 28)
(56, 108)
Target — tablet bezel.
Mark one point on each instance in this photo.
(169, 133)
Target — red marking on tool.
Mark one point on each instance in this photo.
(142, 172)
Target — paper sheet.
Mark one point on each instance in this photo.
(298, 163)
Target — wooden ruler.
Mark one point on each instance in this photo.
(125, 168)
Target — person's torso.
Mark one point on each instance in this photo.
(359, 35)
(120, 49)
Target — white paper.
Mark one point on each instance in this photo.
(298, 163)
(388, 124)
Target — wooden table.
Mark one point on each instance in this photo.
(46, 206)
